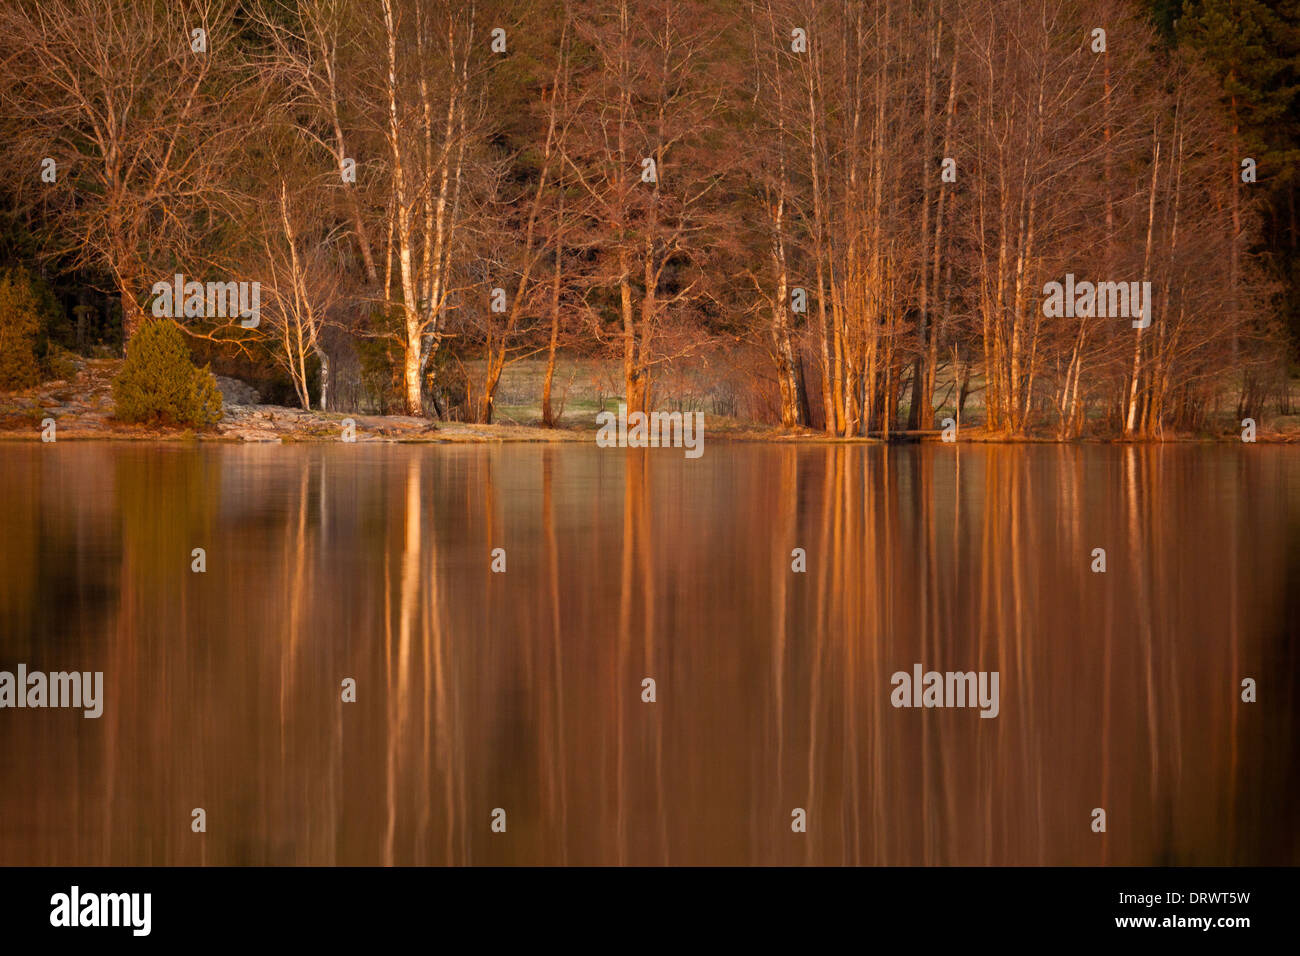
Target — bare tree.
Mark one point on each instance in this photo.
(641, 152)
(301, 283)
(139, 106)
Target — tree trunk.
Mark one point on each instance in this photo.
(1131, 418)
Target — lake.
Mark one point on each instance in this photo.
(518, 698)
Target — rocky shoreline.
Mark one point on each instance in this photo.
(82, 409)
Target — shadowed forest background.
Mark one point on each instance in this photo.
(739, 206)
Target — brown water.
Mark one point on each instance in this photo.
(523, 690)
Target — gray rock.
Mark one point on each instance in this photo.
(235, 392)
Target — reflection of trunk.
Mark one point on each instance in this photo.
(633, 493)
(825, 593)
(297, 567)
(553, 696)
(1137, 493)
(637, 586)
(785, 537)
(399, 696)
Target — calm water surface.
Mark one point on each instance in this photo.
(522, 690)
